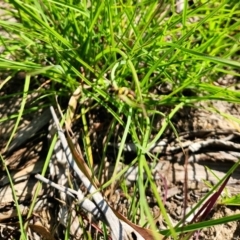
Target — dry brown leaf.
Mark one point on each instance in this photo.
(41, 230)
(144, 232)
(72, 105)
(80, 162)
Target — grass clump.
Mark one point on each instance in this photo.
(131, 59)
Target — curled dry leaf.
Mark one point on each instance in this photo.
(72, 105)
(144, 232)
(81, 163)
(41, 230)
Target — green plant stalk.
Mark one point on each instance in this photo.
(205, 224)
(165, 124)
(23, 233)
(109, 134)
(121, 147)
(24, 99)
(44, 170)
(87, 137)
